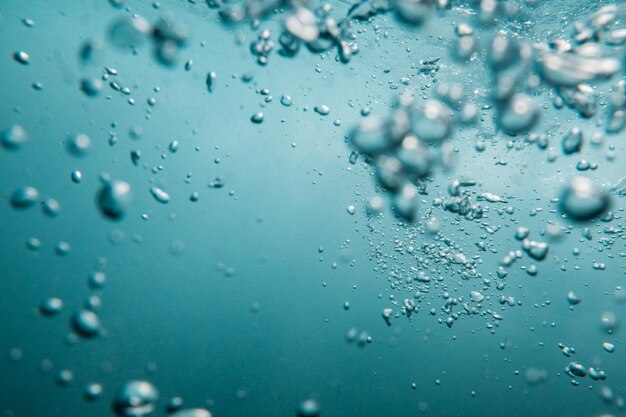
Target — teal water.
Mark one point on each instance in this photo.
(236, 302)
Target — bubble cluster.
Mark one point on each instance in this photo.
(167, 36)
(404, 147)
(314, 29)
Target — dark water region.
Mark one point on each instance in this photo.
(290, 208)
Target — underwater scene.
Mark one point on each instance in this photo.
(300, 208)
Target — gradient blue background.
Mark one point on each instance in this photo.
(183, 314)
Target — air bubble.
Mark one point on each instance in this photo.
(583, 200)
(135, 399)
(22, 57)
(114, 199)
(24, 198)
(86, 323)
(160, 195)
(51, 306)
(13, 137)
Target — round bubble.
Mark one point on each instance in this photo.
(135, 399)
(583, 200)
(114, 198)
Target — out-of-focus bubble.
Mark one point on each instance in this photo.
(536, 250)
(519, 115)
(114, 199)
(78, 145)
(169, 38)
(572, 298)
(92, 87)
(414, 12)
(583, 200)
(369, 136)
(308, 408)
(535, 376)
(581, 98)
(572, 141)
(568, 69)
(86, 323)
(97, 280)
(51, 306)
(90, 49)
(64, 378)
(13, 137)
(25, 197)
(406, 201)
(414, 157)
(129, 32)
(609, 321)
(302, 23)
(51, 207)
(434, 122)
(503, 53)
(93, 391)
(135, 399)
(192, 412)
(375, 205)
